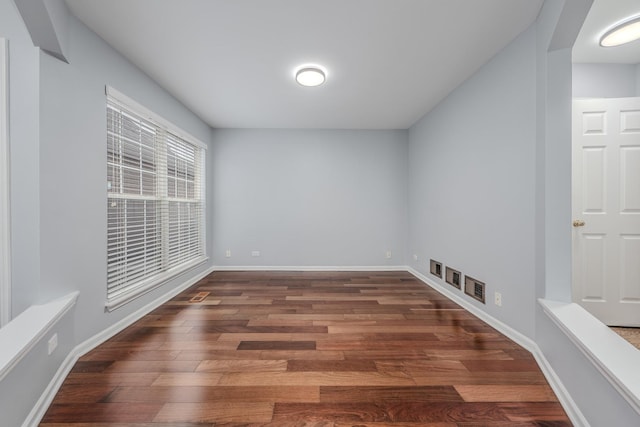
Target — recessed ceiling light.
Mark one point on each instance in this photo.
(622, 33)
(310, 75)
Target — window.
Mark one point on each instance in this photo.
(5, 240)
(155, 203)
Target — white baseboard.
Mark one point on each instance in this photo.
(569, 405)
(309, 268)
(43, 403)
(40, 408)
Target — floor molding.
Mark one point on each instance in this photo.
(310, 268)
(41, 406)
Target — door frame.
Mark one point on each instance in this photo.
(5, 215)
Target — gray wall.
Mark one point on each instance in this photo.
(490, 186)
(353, 195)
(58, 190)
(309, 197)
(605, 80)
(472, 182)
(73, 169)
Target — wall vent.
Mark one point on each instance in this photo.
(435, 268)
(474, 288)
(199, 297)
(453, 277)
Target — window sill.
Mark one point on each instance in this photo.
(614, 357)
(20, 335)
(153, 283)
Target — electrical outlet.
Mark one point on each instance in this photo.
(255, 253)
(227, 253)
(415, 257)
(388, 255)
(498, 299)
(52, 344)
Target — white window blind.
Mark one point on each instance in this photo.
(155, 203)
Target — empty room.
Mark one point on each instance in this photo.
(334, 213)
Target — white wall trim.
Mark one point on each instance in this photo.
(41, 406)
(5, 216)
(309, 268)
(153, 283)
(569, 405)
(19, 337)
(43, 403)
(615, 358)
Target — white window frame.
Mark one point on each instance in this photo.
(157, 280)
(5, 216)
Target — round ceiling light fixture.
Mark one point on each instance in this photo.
(310, 75)
(622, 33)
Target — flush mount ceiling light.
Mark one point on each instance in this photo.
(310, 75)
(624, 32)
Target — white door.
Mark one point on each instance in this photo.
(606, 209)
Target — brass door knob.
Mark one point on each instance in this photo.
(578, 223)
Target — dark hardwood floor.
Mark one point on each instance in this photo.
(307, 349)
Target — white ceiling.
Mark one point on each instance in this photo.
(603, 15)
(231, 61)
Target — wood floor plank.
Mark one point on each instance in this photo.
(506, 393)
(405, 411)
(98, 424)
(469, 354)
(83, 393)
(242, 366)
(203, 394)
(477, 378)
(389, 394)
(110, 355)
(152, 366)
(217, 412)
(115, 379)
(187, 379)
(277, 345)
(533, 411)
(502, 365)
(331, 365)
(102, 412)
(399, 424)
(325, 349)
(421, 367)
(314, 378)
